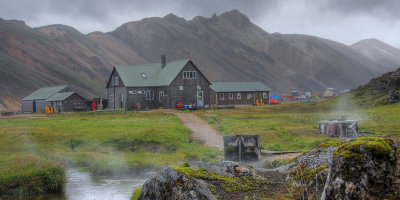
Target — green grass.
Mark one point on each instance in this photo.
(103, 142)
(28, 175)
(295, 126)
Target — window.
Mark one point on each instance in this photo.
(238, 95)
(221, 96)
(198, 87)
(189, 74)
(230, 95)
(181, 87)
(249, 95)
(143, 75)
(264, 94)
(132, 91)
(140, 91)
(160, 94)
(115, 80)
(149, 95)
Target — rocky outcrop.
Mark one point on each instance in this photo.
(215, 180)
(170, 184)
(363, 169)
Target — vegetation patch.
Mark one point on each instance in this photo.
(30, 175)
(271, 164)
(229, 184)
(328, 143)
(136, 193)
(103, 142)
(302, 175)
(379, 147)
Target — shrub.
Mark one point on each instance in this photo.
(30, 175)
(192, 156)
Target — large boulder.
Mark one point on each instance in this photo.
(214, 180)
(171, 184)
(363, 169)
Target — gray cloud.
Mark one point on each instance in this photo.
(345, 21)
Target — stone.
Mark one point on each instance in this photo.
(170, 184)
(363, 171)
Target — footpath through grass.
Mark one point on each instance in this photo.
(102, 142)
(295, 126)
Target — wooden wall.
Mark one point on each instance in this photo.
(189, 93)
(217, 100)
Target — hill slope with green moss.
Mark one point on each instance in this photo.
(379, 91)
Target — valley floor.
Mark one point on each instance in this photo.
(116, 142)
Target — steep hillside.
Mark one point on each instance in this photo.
(379, 91)
(29, 60)
(227, 47)
(379, 52)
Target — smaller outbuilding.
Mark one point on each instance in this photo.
(61, 97)
(67, 102)
(238, 93)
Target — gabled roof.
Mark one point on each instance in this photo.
(238, 86)
(60, 96)
(44, 92)
(132, 76)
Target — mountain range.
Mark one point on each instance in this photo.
(226, 47)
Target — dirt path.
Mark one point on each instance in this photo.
(201, 130)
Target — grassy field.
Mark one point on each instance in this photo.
(295, 126)
(102, 142)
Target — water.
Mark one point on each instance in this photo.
(84, 186)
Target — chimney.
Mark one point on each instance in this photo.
(163, 61)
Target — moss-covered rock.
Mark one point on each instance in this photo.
(363, 169)
(379, 147)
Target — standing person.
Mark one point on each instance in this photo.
(94, 106)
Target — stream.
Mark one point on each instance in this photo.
(83, 185)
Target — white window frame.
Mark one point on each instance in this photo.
(265, 95)
(230, 96)
(115, 80)
(221, 96)
(149, 95)
(189, 74)
(249, 95)
(132, 92)
(238, 95)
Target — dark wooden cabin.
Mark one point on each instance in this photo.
(67, 102)
(238, 93)
(36, 101)
(157, 85)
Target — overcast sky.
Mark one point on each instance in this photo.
(346, 21)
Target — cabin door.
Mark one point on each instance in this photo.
(33, 106)
(200, 98)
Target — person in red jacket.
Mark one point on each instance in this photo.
(94, 106)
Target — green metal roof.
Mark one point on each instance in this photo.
(60, 96)
(131, 76)
(238, 86)
(44, 92)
